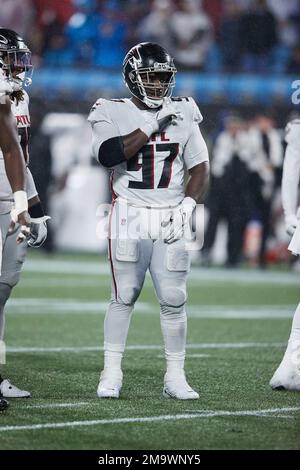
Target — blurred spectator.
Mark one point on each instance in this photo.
(135, 11)
(98, 32)
(266, 156)
(41, 161)
(259, 36)
(110, 46)
(229, 193)
(283, 10)
(81, 31)
(61, 9)
(287, 32)
(294, 64)
(214, 9)
(17, 15)
(191, 34)
(58, 51)
(155, 26)
(230, 35)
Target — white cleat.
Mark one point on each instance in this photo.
(110, 384)
(176, 386)
(287, 376)
(8, 390)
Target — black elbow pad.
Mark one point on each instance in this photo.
(111, 152)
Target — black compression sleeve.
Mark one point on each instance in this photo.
(111, 152)
(36, 211)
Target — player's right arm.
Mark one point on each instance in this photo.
(110, 147)
(14, 162)
(291, 176)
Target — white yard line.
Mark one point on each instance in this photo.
(151, 419)
(142, 347)
(58, 405)
(46, 305)
(65, 281)
(188, 356)
(211, 274)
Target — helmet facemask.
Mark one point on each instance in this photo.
(17, 67)
(152, 83)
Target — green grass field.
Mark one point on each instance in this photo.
(239, 322)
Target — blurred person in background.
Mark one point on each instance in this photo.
(155, 26)
(265, 156)
(294, 62)
(81, 31)
(214, 9)
(191, 34)
(41, 162)
(17, 15)
(16, 68)
(229, 196)
(259, 37)
(230, 35)
(49, 43)
(283, 10)
(111, 35)
(287, 375)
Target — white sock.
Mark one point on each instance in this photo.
(112, 360)
(5, 291)
(294, 339)
(116, 326)
(174, 327)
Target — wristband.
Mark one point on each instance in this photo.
(149, 128)
(21, 202)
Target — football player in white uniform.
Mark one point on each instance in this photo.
(15, 64)
(148, 141)
(16, 174)
(287, 376)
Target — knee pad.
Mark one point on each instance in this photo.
(127, 295)
(10, 278)
(173, 296)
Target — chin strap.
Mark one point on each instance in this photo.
(153, 104)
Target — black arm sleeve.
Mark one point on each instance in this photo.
(36, 210)
(111, 152)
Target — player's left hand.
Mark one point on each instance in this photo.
(38, 231)
(176, 221)
(22, 219)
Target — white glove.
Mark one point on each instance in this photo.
(38, 231)
(6, 86)
(165, 116)
(291, 222)
(177, 220)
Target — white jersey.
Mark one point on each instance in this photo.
(292, 134)
(21, 113)
(291, 168)
(155, 176)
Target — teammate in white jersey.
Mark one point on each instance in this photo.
(16, 173)
(287, 376)
(148, 141)
(15, 65)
